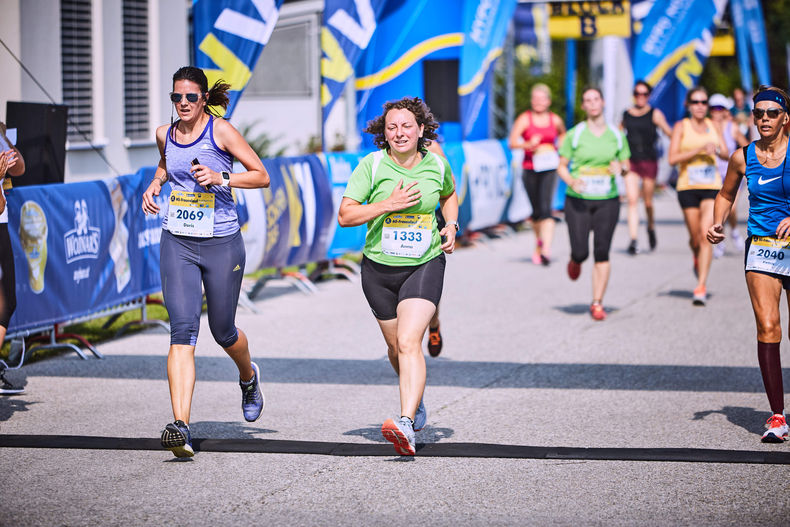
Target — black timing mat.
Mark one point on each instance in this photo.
(471, 450)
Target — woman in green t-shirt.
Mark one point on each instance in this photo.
(596, 152)
(395, 191)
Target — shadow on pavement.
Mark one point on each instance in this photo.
(468, 374)
(582, 309)
(747, 418)
(429, 434)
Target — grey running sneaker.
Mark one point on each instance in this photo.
(177, 439)
(777, 430)
(252, 401)
(6, 388)
(400, 434)
(421, 417)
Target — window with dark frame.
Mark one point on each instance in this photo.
(77, 67)
(135, 69)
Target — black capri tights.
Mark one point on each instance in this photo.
(584, 215)
(185, 262)
(540, 189)
(7, 281)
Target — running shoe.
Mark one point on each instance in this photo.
(545, 260)
(400, 434)
(536, 258)
(597, 312)
(737, 240)
(435, 341)
(6, 388)
(700, 296)
(252, 400)
(574, 269)
(420, 418)
(632, 248)
(177, 439)
(777, 429)
(651, 239)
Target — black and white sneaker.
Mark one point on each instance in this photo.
(6, 388)
(176, 438)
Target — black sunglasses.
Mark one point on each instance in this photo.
(698, 101)
(191, 97)
(773, 113)
(638, 93)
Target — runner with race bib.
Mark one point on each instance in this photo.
(201, 245)
(694, 146)
(395, 191)
(767, 260)
(591, 156)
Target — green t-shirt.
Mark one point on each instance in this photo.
(434, 179)
(590, 159)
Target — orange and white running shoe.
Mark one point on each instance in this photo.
(597, 312)
(777, 429)
(400, 434)
(700, 296)
(435, 341)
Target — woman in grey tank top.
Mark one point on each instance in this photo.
(201, 243)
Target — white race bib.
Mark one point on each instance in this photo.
(769, 255)
(701, 174)
(191, 214)
(407, 235)
(545, 159)
(597, 181)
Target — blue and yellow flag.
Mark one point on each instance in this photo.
(672, 48)
(347, 29)
(229, 37)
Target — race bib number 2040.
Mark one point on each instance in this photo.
(770, 255)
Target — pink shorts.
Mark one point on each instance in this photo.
(646, 168)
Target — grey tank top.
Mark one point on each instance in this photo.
(178, 159)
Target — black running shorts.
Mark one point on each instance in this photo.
(387, 285)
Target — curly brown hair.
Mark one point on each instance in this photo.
(421, 113)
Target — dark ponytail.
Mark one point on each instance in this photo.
(216, 96)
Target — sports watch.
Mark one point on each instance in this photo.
(225, 178)
(455, 224)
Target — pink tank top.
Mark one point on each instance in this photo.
(548, 136)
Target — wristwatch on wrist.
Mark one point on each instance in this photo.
(455, 224)
(225, 178)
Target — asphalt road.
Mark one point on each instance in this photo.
(537, 414)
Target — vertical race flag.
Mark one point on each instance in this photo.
(672, 48)
(485, 24)
(742, 44)
(347, 29)
(229, 37)
(750, 27)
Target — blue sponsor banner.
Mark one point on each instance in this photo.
(347, 29)
(672, 48)
(755, 26)
(229, 37)
(742, 44)
(457, 160)
(391, 67)
(485, 24)
(79, 248)
(344, 239)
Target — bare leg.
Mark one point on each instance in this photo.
(705, 248)
(240, 353)
(546, 234)
(600, 279)
(413, 317)
(181, 378)
(435, 319)
(648, 189)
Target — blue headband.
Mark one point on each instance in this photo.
(770, 95)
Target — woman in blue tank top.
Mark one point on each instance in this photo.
(201, 243)
(767, 262)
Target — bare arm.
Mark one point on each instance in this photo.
(160, 176)
(230, 140)
(515, 139)
(660, 120)
(565, 175)
(353, 213)
(726, 196)
(449, 205)
(675, 155)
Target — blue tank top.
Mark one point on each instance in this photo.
(769, 198)
(178, 159)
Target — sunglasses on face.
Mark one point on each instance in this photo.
(191, 97)
(641, 94)
(698, 101)
(773, 113)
